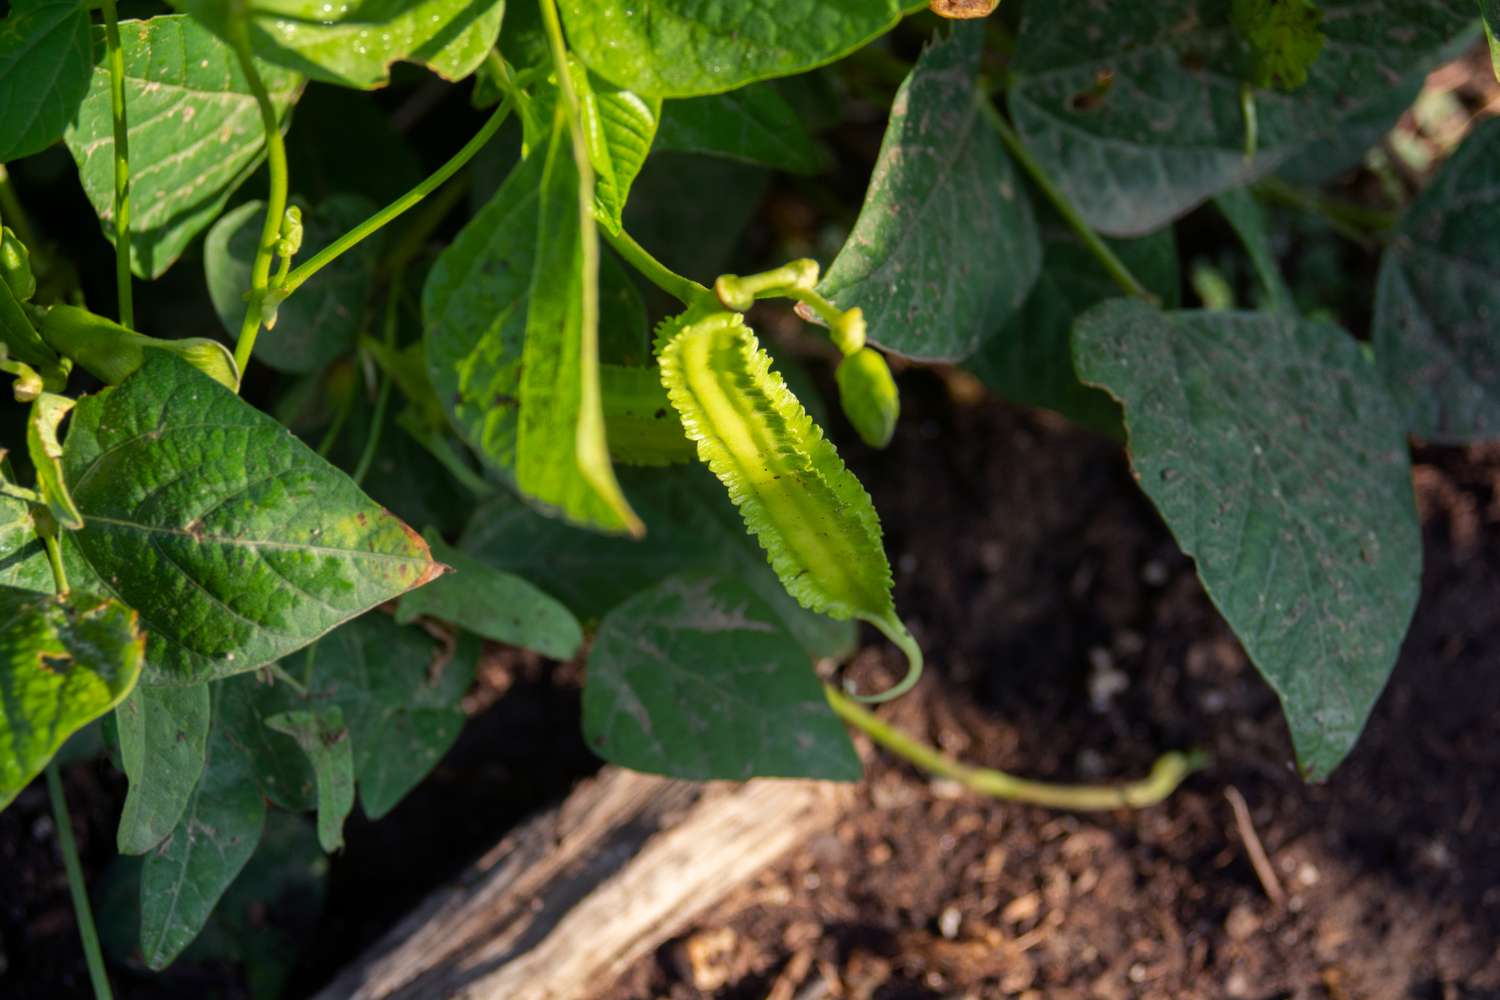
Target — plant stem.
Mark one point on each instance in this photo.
(116, 56)
(395, 209)
(270, 232)
(1111, 263)
(279, 672)
(684, 290)
(1357, 223)
(76, 885)
(383, 400)
(55, 559)
(1166, 774)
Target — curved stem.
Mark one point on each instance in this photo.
(400, 206)
(116, 56)
(270, 232)
(684, 290)
(1107, 258)
(383, 400)
(92, 955)
(894, 630)
(1167, 773)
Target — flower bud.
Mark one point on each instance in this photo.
(868, 395)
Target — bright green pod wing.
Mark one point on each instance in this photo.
(808, 511)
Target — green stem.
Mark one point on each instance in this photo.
(684, 290)
(400, 206)
(55, 559)
(340, 418)
(270, 233)
(383, 400)
(92, 955)
(1166, 774)
(116, 56)
(279, 672)
(1111, 263)
(1358, 223)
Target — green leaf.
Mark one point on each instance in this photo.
(945, 247)
(64, 662)
(194, 128)
(620, 127)
(1030, 359)
(684, 48)
(696, 678)
(355, 44)
(493, 604)
(400, 692)
(1489, 10)
(47, 414)
(23, 557)
(163, 735)
(235, 542)
(691, 527)
(323, 737)
(1135, 110)
(45, 63)
(323, 320)
(562, 459)
(182, 880)
(1279, 462)
(282, 770)
(691, 211)
(752, 125)
(1438, 298)
(1249, 223)
(1284, 39)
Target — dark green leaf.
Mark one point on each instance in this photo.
(281, 769)
(355, 44)
(697, 678)
(235, 542)
(1438, 300)
(181, 881)
(195, 134)
(64, 661)
(945, 247)
(690, 527)
(493, 604)
(620, 127)
(323, 320)
(1279, 462)
(753, 125)
(1249, 222)
(163, 733)
(45, 61)
(1135, 110)
(683, 48)
(690, 211)
(1030, 360)
(323, 737)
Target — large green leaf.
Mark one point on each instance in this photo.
(562, 459)
(1135, 109)
(64, 661)
(691, 526)
(1279, 462)
(1437, 306)
(194, 129)
(322, 736)
(400, 693)
(324, 319)
(163, 735)
(45, 63)
(696, 678)
(235, 542)
(356, 43)
(181, 882)
(683, 48)
(945, 247)
(493, 604)
(753, 124)
(1030, 359)
(23, 558)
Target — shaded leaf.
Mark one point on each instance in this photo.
(195, 134)
(493, 604)
(323, 320)
(1438, 299)
(945, 247)
(45, 63)
(323, 737)
(64, 661)
(1279, 462)
(753, 124)
(233, 540)
(1136, 110)
(1249, 222)
(281, 769)
(163, 735)
(691, 211)
(696, 678)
